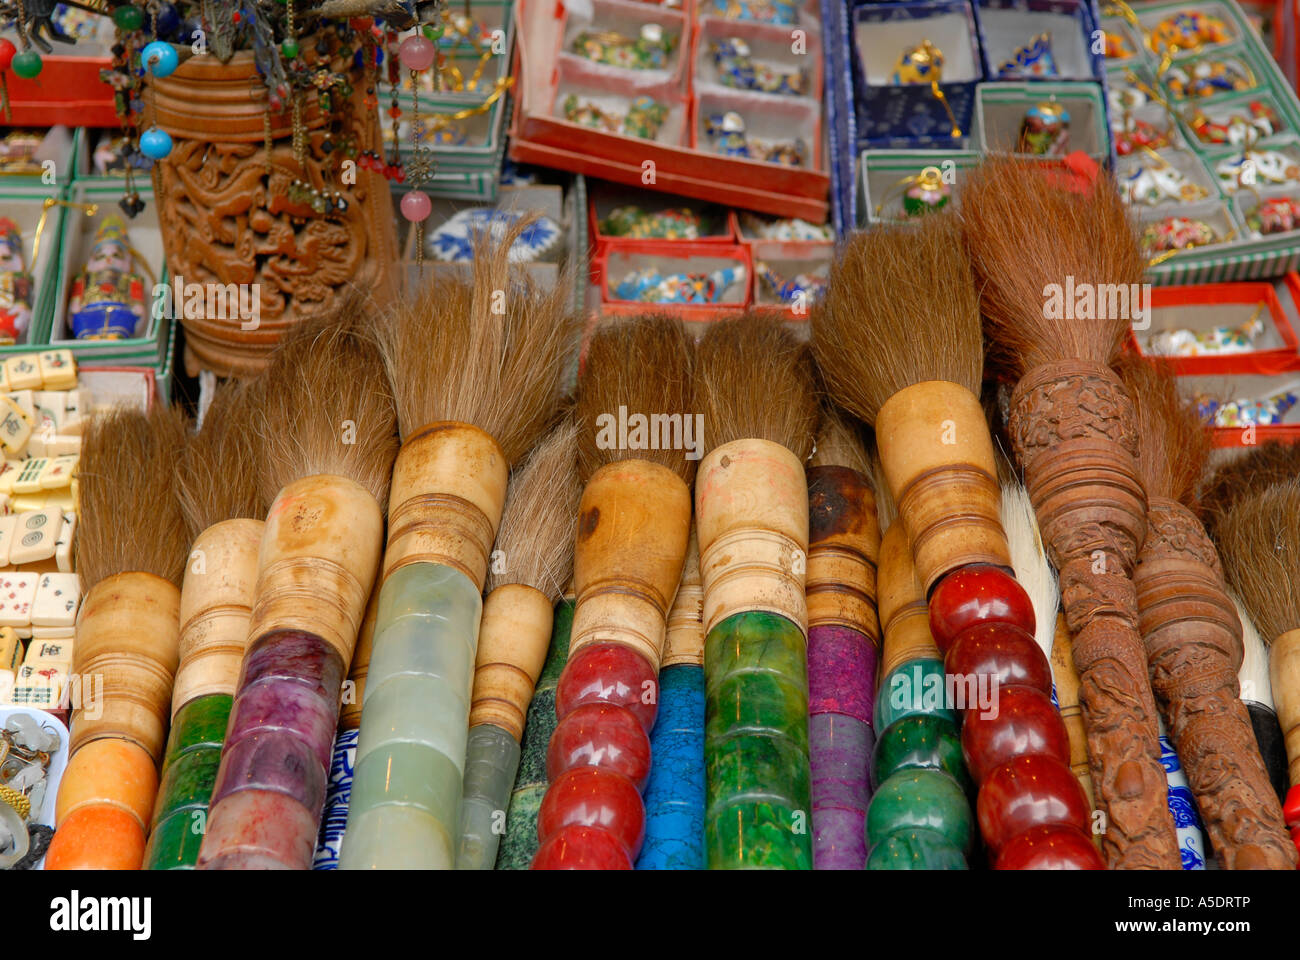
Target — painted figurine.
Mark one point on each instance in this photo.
(1206, 78)
(1245, 411)
(1132, 134)
(649, 50)
(1177, 233)
(1045, 131)
(926, 193)
(726, 132)
(1204, 343)
(1188, 30)
(920, 64)
(648, 285)
(1274, 215)
(107, 298)
(1256, 167)
(738, 69)
(1034, 59)
(779, 12)
(1157, 181)
(634, 223)
(15, 285)
(1239, 129)
(1118, 47)
(804, 288)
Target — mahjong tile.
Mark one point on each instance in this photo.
(36, 536)
(14, 427)
(58, 472)
(56, 600)
(26, 401)
(53, 633)
(29, 478)
(62, 445)
(24, 372)
(77, 406)
(63, 546)
(28, 502)
(17, 592)
(58, 369)
(8, 527)
(39, 685)
(11, 651)
(50, 406)
(57, 651)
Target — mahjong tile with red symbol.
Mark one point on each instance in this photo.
(17, 594)
(56, 600)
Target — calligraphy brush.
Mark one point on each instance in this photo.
(130, 545)
(1257, 695)
(1075, 438)
(327, 442)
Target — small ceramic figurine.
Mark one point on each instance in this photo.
(1274, 215)
(919, 64)
(1253, 167)
(15, 285)
(804, 288)
(1045, 130)
(1034, 59)
(926, 193)
(1239, 129)
(1245, 411)
(787, 229)
(634, 223)
(107, 298)
(1158, 181)
(643, 119)
(1177, 233)
(726, 132)
(649, 50)
(1204, 343)
(1206, 77)
(779, 12)
(648, 285)
(738, 69)
(1188, 30)
(1133, 133)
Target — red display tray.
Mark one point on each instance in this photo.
(67, 91)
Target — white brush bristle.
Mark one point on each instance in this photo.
(1253, 675)
(1029, 559)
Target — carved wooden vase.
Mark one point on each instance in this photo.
(228, 219)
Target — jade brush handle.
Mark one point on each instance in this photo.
(519, 845)
(491, 763)
(189, 775)
(406, 787)
(674, 795)
(758, 797)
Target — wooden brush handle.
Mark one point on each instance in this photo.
(512, 640)
(938, 457)
(320, 551)
(904, 613)
(124, 659)
(449, 487)
(350, 712)
(751, 508)
(1284, 672)
(1067, 700)
(1193, 642)
(843, 547)
(684, 638)
(1074, 432)
(216, 603)
(634, 523)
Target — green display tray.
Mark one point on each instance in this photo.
(887, 168)
(1078, 98)
(44, 276)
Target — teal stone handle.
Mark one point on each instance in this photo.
(758, 803)
(491, 763)
(406, 787)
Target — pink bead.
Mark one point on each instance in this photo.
(416, 53)
(416, 206)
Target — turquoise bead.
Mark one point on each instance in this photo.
(925, 800)
(920, 740)
(917, 686)
(915, 850)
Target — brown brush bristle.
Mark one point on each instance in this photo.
(644, 365)
(1173, 443)
(753, 380)
(901, 309)
(886, 508)
(326, 406)
(491, 351)
(1259, 544)
(215, 473)
(129, 515)
(1267, 464)
(1024, 231)
(840, 443)
(535, 539)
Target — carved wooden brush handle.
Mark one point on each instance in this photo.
(1074, 432)
(1193, 641)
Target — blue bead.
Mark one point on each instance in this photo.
(155, 143)
(168, 19)
(160, 58)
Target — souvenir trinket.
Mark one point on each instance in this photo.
(726, 132)
(28, 745)
(1206, 78)
(779, 12)
(643, 119)
(648, 285)
(1253, 167)
(926, 192)
(1133, 133)
(1118, 47)
(803, 289)
(1034, 59)
(1127, 98)
(791, 229)
(107, 298)
(15, 285)
(924, 64)
(634, 223)
(649, 50)
(1239, 129)
(454, 241)
(1157, 181)
(1244, 411)
(1274, 215)
(1205, 343)
(739, 70)
(1176, 233)
(18, 152)
(1045, 131)
(1187, 30)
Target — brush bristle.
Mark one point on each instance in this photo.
(536, 536)
(327, 407)
(901, 309)
(1253, 675)
(840, 443)
(1259, 544)
(1267, 464)
(129, 514)
(1024, 232)
(491, 350)
(753, 380)
(642, 365)
(216, 482)
(886, 508)
(1029, 560)
(1173, 443)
